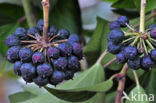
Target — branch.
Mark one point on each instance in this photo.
(136, 77)
(102, 56)
(46, 6)
(28, 12)
(110, 62)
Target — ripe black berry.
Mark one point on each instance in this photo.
(21, 33)
(66, 49)
(53, 31)
(63, 34)
(17, 67)
(153, 54)
(60, 63)
(153, 33)
(120, 57)
(114, 25)
(77, 50)
(123, 20)
(41, 81)
(116, 36)
(57, 77)
(73, 63)
(12, 41)
(73, 38)
(152, 26)
(40, 24)
(28, 72)
(25, 54)
(69, 75)
(112, 48)
(134, 64)
(33, 31)
(130, 52)
(53, 52)
(12, 54)
(44, 70)
(147, 63)
(38, 58)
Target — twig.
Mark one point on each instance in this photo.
(142, 16)
(110, 62)
(28, 12)
(136, 77)
(102, 56)
(120, 89)
(46, 6)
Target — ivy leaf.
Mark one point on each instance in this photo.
(21, 96)
(94, 45)
(124, 4)
(66, 14)
(137, 95)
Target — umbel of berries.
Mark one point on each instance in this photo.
(135, 48)
(44, 61)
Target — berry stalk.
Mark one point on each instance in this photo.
(46, 6)
(142, 16)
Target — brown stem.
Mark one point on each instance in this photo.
(53, 37)
(120, 90)
(32, 36)
(46, 6)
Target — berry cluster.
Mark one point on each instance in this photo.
(44, 60)
(135, 48)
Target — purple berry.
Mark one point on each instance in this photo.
(73, 38)
(153, 33)
(40, 81)
(40, 24)
(65, 48)
(38, 58)
(69, 75)
(73, 63)
(25, 54)
(21, 33)
(147, 63)
(17, 67)
(112, 48)
(130, 52)
(135, 64)
(153, 54)
(60, 63)
(44, 70)
(12, 54)
(53, 52)
(120, 57)
(114, 25)
(116, 36)
(33, 31)
(77, 50)
(123, 20)
(63, 34)
(12, 41)
(28, 72)
(57, 77)
(152, 26)
(53, 31)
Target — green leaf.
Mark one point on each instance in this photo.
(21, 96)
(94, 45)
(138, 95)
(66, 14)
(110, 97)
(4, 32)
(124, 4)
(139, 72)
(85, 83)
(11, 1)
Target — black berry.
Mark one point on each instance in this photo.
(147, 63)
(60, 63)
(114, 25)
(63, 34)
(25, 54)
(53, 52)
(38, 58)
(12, 41)
(120, 57)
(134, 64)
(123, 20)
(112, 48)
(17, 67)
(65, 48)
(130, 52)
